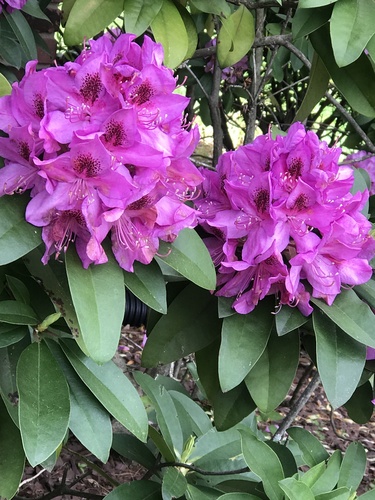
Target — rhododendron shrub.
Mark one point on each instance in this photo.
(10, 5)
(102, 146)
(282, 221)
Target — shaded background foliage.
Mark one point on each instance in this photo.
(306, 60)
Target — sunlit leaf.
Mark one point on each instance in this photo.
(5, 87)
(219, 7)
(139, 15)
(353, 466)
(296, 490)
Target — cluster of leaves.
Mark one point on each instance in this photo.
(60, 324)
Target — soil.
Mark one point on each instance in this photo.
(75, 468)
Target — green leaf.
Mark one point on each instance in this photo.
(351, 28)
(169, 30)
(9, 357)
(10, 50)
(166, 414)
(327, 481)
(88, 17)
(307, 4)
(5, 87)
(286, 457)
(190, 325)
(191, 31)
(12, 457)
(262, 460)
(369, 495)
(112, 388)
(353, 466)
(23, 33)
(137, 490)
(305, 21)
(243, 339)
(43, 402)
(354, 81)
(340, 359)
(200, 423)
(201, 493)
(313, 451)
(189, 256)
(18, 289)
(139, 15)
(318, 84)
(352, 315)
(270, 379)
(236, 37)
(339, 494)
(238, 496)
(174, 484)
(17, 237)
(147, 283)
(98, 295)
(359, 406)
(17, 313)
(289, 319)
(10, 334)
(295, 490)
(32, 8)
(367, 292)
(131, 448)
(219, 7)
(89, 421)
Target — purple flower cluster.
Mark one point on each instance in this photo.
(280, 216)
(11, 5)
(103, 147)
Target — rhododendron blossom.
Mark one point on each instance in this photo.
(102, 146)
(11, 5)
(281, 220)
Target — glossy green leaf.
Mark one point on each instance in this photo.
(236, 37)
(238, 496)
(353, 466)
(219, 7)
(367, 292)
(359, 407)
(288, 319)
(43, 402)
(88, 17)
(199, 421)
(307, 4)
(166, 414)
(174, 484)
(10, 334)
(296, 490)
(12, 456)
(32, 8)
(130, 447)
(89, 421)
(270, 379)
(139, 15)
(17, 237)
(318, 84)
(327, 480)
(18, 289)
(262, 460)
(112, 388)
(9, 357)
(189, 256)
(147, 283)
(339, 494)
(136, 490)
(169, 30)
(5, 87)
(351, 27)
(313, 451)
(190, 325)
(10, 50)
(243, 339)
(354, 81)
(98, 295)
(340, 359)
(352, 315)
(201, 493)
(305, 21)
(17, 313)
(191, 30)
(23, 33)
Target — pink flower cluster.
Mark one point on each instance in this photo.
(102, 145)
(11, 5)
(282, 221)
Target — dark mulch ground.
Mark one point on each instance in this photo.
(73, 468)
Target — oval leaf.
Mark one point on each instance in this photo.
(169, 30)
(17, 313)
(189, 256)
(10, 334)
(43, 402)
(174, 484)
(139, 15)
(137, 490)
(5, 87)
(340, 360)
(219, 7)
(112, 388)
(313, 451)
(98, 295)
(236, 37)
(17, 237)
(353, 466)
(295, 490)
